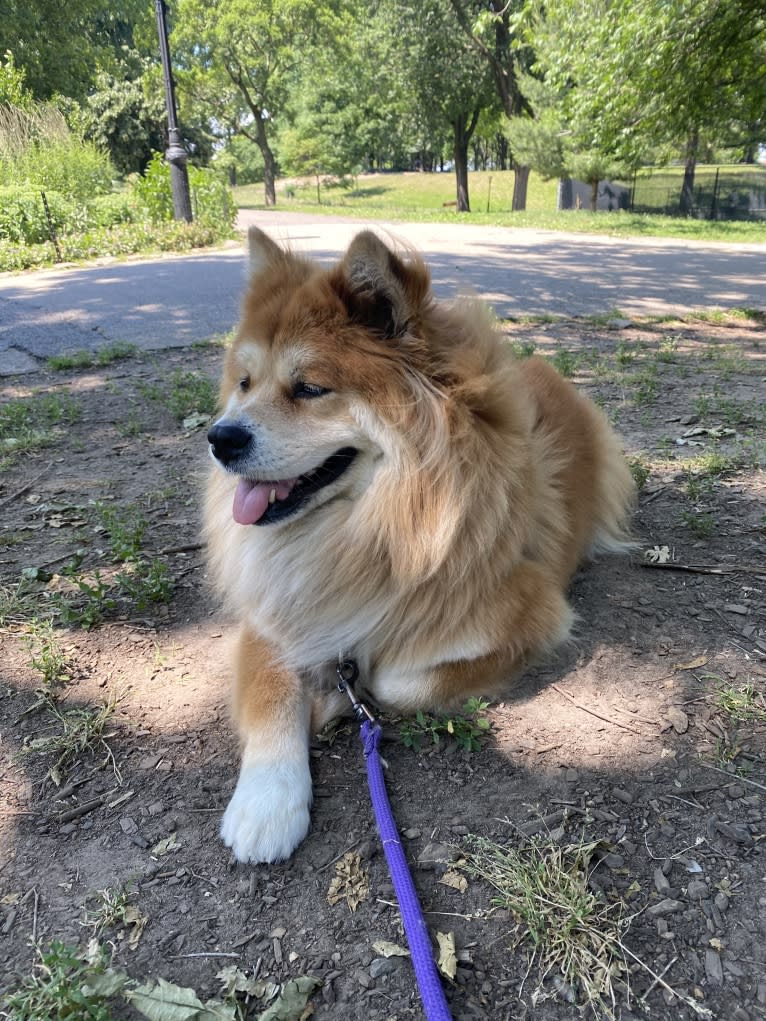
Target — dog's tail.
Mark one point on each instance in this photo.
(615, 500)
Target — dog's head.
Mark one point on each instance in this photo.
(322, 365)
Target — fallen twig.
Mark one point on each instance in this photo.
(704, 568)
(732, 776)
(26, 486)
(599, 716)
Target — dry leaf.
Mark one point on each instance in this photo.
(657, 555)
(693, 664)
(165, 846)
(292, 1002)
(455, 880)
(136, 922)
(234, 980)
(383, 948)
(167, 1002)
(447, 963)
(350, 882)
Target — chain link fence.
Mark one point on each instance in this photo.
(720, 193)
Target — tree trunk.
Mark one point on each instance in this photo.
(690, 166)
(269, 163)
(501, 147)
(462, 130)
(594, 196)
(520, 182)
(565, 194)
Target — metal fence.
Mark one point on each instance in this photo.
(720, 193)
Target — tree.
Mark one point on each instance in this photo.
(238, 55)
(656, 72)
(447, 79)
(121, 117)
(492, 31)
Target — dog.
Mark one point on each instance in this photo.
(392, 485)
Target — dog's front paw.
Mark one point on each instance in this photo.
(268, 815)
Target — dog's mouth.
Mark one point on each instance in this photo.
(264, 503)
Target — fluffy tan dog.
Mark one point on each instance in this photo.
(391, 485)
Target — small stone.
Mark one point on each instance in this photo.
(278, 932)
(761, 994)
(618, 324)
(736, 608)
(665, 907)
(128, 825)
(661, 883)
(156, 808)
(613, 861)
(363, 979)
(383, 966)
(412, 833)
(572, 776)
(68, 827)
(624, 796)
(721, 901)
(713, 967)
(697, 889)
(735, 791)
(678, 719)
(434, 854)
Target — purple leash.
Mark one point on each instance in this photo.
(431, 992)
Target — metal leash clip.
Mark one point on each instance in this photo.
(348, 673)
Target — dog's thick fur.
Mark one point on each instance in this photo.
(439, 559)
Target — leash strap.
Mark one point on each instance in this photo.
(431, 992)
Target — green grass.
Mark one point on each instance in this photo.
(29, 423)
(88, 359)
(421, 197)
(189, 392)
(58, 989)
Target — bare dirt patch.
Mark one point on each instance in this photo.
(645, 737)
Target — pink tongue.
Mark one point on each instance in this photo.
(251, 499)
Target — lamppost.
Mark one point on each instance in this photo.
(175, 154)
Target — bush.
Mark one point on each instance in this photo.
(212, 200)
(23, 219)
(39, 151)
(122, 239)
(109, 210)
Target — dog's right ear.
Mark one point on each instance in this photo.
(262, 251)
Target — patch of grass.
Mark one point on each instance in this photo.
(624, 354)
(148, 582)
(26, 423)
(187, 393)
(702, 525)
(742, 703)
(640, 471)
(79, 731)
(568, 931)
(59, 989)
(466, 729)
(125, 527)
(667, 349)
(88, 359)
(94, 602)
(565, 362)
(647, 386)
(523, 348)
(46, 655)
(18, 603)
(113, 910)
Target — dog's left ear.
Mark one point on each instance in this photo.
(262, 251)
(382, 291)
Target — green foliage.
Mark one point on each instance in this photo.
(640, 472)
(13, 92)
(123, 239)
(23, 219)
(86, 359)
(467, 728)
(46, 655)
(146, 583)
(58, 989)
(565, 362)
(125, 527)
(189, 392)
(37, 150)
(29, 423)
(123, 117)
(212, 201)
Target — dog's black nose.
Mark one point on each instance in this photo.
(228, 441)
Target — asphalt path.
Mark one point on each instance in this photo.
(175, 301)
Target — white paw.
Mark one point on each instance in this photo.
(268, 815)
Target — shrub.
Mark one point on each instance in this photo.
(109, 210)
(23, 219)
(212, 201)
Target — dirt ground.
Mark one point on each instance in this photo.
(646, 735)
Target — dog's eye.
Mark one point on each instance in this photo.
(244, 384)
(308, 390)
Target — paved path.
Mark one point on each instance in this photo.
(174, 301)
